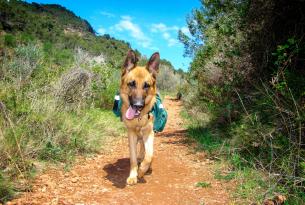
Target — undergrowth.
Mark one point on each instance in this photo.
(254, 183)
(51, 112)
(245, 93)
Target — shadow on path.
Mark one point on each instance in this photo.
(118, 172)
(172, 133)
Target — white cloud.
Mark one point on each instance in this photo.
(101, 31)
(126, 24)
(107, 14)
(167, 32)
(161, 27)
(186, 31)
(170, 41)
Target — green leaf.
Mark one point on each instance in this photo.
(203, 184)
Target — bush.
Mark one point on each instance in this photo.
(74, 88)
(9, 40)
(248, 76)
(52, 112)
(6, 191)
(26, 61)
(168, 80)
(105, 85)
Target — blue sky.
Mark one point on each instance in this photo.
(148, 26)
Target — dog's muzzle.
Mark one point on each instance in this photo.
(135, 107)
(137, 103)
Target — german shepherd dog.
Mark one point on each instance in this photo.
(138, 94)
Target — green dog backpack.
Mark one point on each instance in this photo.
(158, 111)
(117, 105)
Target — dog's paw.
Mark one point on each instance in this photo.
(141, 173)
(131, 180)
(143, 169)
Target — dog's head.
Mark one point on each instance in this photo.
(138, 83)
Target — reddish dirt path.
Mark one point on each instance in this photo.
(101, 179)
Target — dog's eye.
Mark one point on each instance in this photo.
(146, 85)
(132, 84)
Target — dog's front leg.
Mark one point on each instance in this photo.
(149, 149)
(133, 139)
(141, 152)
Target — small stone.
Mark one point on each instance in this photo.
(74, 180)
(104, 190)
(44, 189)
(61, 186)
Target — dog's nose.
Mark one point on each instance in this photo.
(138, 103)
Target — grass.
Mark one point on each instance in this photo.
(206, 140)
(6, 190)
(166, 93)
(252, 185)
(37, 125)
(77, 134)
(203, 184)
(88, 131)
(227, 177)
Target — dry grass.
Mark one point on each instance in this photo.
(74, 87)
(49, 114)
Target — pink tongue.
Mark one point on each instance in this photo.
(130, 113)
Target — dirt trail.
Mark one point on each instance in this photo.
(101, 179)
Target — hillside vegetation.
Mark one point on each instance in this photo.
(246, 92)
(56, 28)
(57, 80)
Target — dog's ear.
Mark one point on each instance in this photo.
(130, 61)
(153, 64)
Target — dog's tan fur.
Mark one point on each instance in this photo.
(139, 129)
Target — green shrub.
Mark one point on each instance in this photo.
(247, 75)
(26, 61)
(168, 80)
(6, 191)
(63, 57)
(26, 38)
(9, 40)
(105, 85)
